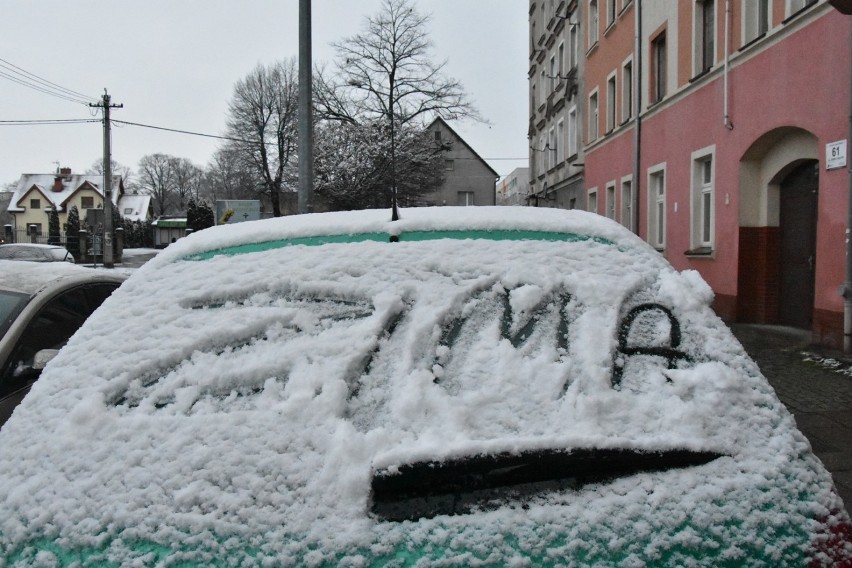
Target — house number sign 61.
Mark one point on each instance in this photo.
(835, 155)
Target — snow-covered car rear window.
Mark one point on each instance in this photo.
(269, 404)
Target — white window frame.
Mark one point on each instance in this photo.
(698, 37)
(592, 198)
(660, 85)
(560, 60)
(794, 6)
(560, 141)
(594, 24)
(572, 131)
(611, 102)
(703, 198)
(657, 222)
(751, 20)
(573, 42)
(627, 202)
(627, 90)
(469, 198)
(553, 73)
(609, 200)
(611, 12)
(551, 148)
(594, 115)
(542, 149)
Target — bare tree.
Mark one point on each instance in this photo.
(156, 177)
(388, 72)
(263, 121)
(226, 177)
(118, 169)
(186, 177)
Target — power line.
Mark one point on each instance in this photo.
(47, 121)
(186, 132)
(31, 80)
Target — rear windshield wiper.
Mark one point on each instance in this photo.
(430, 488)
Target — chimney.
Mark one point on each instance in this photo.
(57, 184)
(65, 171)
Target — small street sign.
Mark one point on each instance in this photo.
(835, 155)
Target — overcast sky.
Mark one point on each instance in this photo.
(173, 63)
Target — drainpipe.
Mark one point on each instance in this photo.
(727, 118)
(847, 285)
(637, 105)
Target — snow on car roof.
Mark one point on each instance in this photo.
(251, 399)
(29, 277)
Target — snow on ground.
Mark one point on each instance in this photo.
(242, 409)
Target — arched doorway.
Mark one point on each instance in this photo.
(775, 276)
(798, 223)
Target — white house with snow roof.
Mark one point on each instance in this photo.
(36, 195)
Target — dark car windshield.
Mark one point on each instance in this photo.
(11, 304)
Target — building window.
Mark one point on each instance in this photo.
(610, 12)
(465, 198)
(34, 227)
(128, 211)
(542, 145)
(755, 19)
(35, 203)
(553, 73)
(794, 6)
(702, 203)
(610, 103)
(627, 91)
(542, 78)
(627, 202)
(87, 202)
(594, 23)
(572, 131)
(658, 67)
(551, 148)
(438, 132)
(573, 42)
(657, 207)
(449, 165)
(593, 116)
(572, 203)
(593, 200)
(560, 141)
(610, 200)
(560, 70)
(705, 35)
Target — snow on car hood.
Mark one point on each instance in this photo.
(253, 395)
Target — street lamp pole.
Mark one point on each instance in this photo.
(306, 133)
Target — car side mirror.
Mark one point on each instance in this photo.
(43, 357)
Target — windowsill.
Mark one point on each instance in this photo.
(624, 8)
(652, 104)
(571, 158)
(798, 13)
(701, 74)
(752, 42)
(661, 250)
(592, 49)
(609, 26)
(700, 252)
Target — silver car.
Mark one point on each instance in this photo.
(41, 306)
(33, 252)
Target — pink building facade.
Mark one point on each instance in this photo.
(741, 108)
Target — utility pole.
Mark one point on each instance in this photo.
(108, 228)
(306, 129)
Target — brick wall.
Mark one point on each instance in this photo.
(758, 273)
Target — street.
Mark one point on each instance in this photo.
(815, 385)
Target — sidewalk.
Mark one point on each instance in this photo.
(815, 384)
